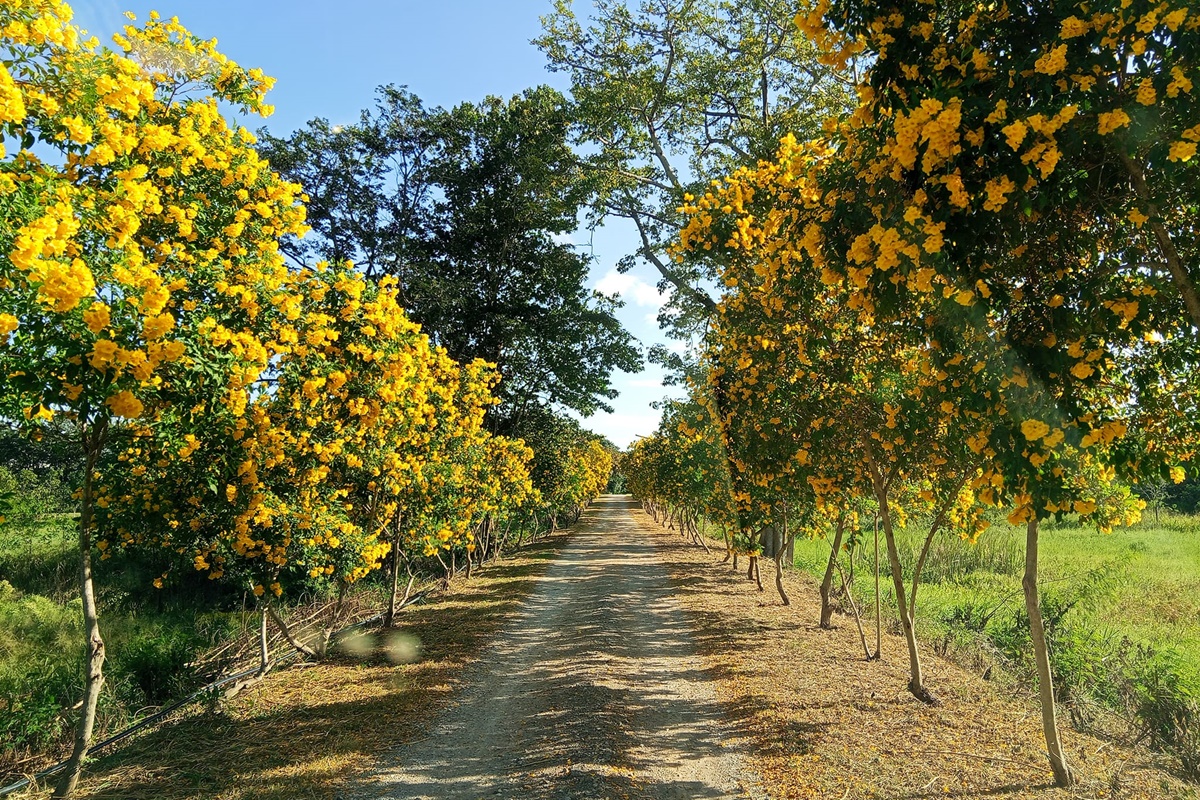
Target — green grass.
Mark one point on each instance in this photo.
(1150, 590)
(151, 638)
(1123, 614)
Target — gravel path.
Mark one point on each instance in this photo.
(593, 691)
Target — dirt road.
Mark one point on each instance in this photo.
(593, 692)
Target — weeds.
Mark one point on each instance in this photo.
(1121, 615)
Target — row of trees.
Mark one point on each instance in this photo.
(975, 290)
(278, 428)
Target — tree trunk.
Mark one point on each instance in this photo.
(94, 668)
(780, 552)
(287, 633)
(862, 636)
(1037, 632)
(827, 580)
(264, 655)
(390, 617)
(1175, 266)
(916, 683)
(933, 529)
(878, 612)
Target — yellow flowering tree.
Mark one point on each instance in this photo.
(132, 219)
(970, 204)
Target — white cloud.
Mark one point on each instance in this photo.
(632, 289)
(644, 383)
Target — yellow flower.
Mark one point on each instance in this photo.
(65, 285)
(104, 352)
(154, 327)
(1015, 133)
(1034, 429)
(997, 192)
(1082, 370)
(1146, 94)
(8, 324)
(1072, 27)
(97, 317)
(1182, 151)
(1053, 62)
(1111, 120)
(124, 404)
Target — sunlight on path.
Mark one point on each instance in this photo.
(593, 691)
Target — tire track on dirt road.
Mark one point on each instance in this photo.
(593, 691)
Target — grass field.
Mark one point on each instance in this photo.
(1123, 611)
(152, 640)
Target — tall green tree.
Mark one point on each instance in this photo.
(672, 93)
(467, 208)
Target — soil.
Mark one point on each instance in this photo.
(594, 690)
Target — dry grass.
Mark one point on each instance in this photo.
(825, 723)
(304, 731)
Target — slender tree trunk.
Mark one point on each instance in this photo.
(779, 553)
(862, 636)
(757, 573)
(264, 655)
(287, 633)
(94, 668)
(1037, 631)
(728, 546)
(389, 618)
(827, 580)
(925, 546)
(1179, 274)
(916, 683)
(878, 599)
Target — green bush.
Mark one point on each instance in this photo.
(1165, 689)
(33, 497)
(40, 667)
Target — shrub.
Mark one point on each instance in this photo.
(39, 667)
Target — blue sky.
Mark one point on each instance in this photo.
(328, 57)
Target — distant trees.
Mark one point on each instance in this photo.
(466, 209)
(668, 95)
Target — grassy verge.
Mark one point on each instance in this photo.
(305, 731)
(1123, 612)
(153, 639)
(828, 724)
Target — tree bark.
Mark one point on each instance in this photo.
(916, 683)
(780, 552)
(933, 529)
(827, 580)
(264, 655)
(390, 617)
(94, 668)
(862, 636)
(1179, 274)
(287, 633)
(878, 609)
(1037, 632)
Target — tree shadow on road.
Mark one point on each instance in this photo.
(304, 731)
